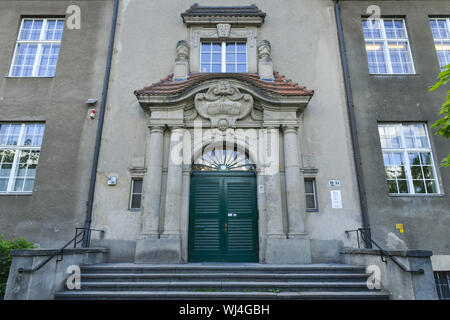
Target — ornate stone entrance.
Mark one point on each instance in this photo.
(211, 113)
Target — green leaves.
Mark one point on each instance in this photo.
(6, 246)
(443, 125)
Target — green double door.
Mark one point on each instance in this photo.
(223, 217)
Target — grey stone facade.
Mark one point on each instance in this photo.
(400, 98)
(57, 204)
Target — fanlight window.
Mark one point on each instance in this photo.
(221, 158)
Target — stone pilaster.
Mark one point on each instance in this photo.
(174, 187)
(151, 196)
(294, 194)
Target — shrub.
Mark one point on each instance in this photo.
(5, 258)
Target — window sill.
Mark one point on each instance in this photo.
(312, 210)
(16, 194)
(394, 75)
(395, 195)
(11, 77)
(134, 210)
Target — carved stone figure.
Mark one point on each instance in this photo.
(223, 30)
(223, 104)
(181, 70)
(265, 64)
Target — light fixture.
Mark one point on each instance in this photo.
(91, 102)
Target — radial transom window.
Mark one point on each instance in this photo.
(223, 158)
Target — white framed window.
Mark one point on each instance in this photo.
(387, 46)
(442, 281)
(20, 146)
(408, 158)
(311, 195)
(440, 27)
(223, 57)
(37, 48)
(135, 194)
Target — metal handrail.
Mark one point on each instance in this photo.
(362, 232)
(60, 252)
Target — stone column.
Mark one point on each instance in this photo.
(174, 187)
(151, 196)
(271, 171)
(295, 207)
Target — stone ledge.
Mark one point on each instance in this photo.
(50, 251)
(399, 253)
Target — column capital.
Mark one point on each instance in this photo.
(156, 128)
(289, 128)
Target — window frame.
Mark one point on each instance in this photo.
(440, 40)
(40, 43)
(15, 164)
(223, 55)
(385, 41)
(405, 151)
(132, 193)
(438, 275)
(314, 194)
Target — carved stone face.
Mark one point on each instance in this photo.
(182, 50)
(264, 49)
(222, 125)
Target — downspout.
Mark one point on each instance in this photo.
(98, 139)
(352, 123)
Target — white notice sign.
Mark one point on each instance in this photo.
(336, 200)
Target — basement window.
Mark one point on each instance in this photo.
(311, 195)
(135, 194)
(442, 280)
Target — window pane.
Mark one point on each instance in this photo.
(419, 186)
(241, 68)
(310, 203)
(137, 186)
(309, 188)
(231, 68)
(392, 186)
(216, 68)
(206, 47)
(403, 186)
(231, 47)
(135, 201)
(372, 29)
(206, 68)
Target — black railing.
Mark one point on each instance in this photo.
(364, 234)
(75, 240)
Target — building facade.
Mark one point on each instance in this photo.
(232, 132)
(226, 127)
(51, 64)
(392, 63)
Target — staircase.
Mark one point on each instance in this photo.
(222, 281)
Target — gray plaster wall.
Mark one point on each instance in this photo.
(426, 219)
(302, 49)
(58, 202)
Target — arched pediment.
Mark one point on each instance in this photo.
(171, 94)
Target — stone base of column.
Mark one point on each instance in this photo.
(163, 250)
(288, 251)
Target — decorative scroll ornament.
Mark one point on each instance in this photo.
(223, 104)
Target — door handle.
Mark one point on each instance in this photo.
(226, 227)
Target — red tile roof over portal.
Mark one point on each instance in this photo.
(280, 86)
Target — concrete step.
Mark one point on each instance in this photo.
(189, 295)
(220, 286)
(231, 276)
(214, 268)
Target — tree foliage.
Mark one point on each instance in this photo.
(442, 125)
(6, 246)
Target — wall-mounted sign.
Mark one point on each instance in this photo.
(261, 188)
(334, 183)
(336, 199)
